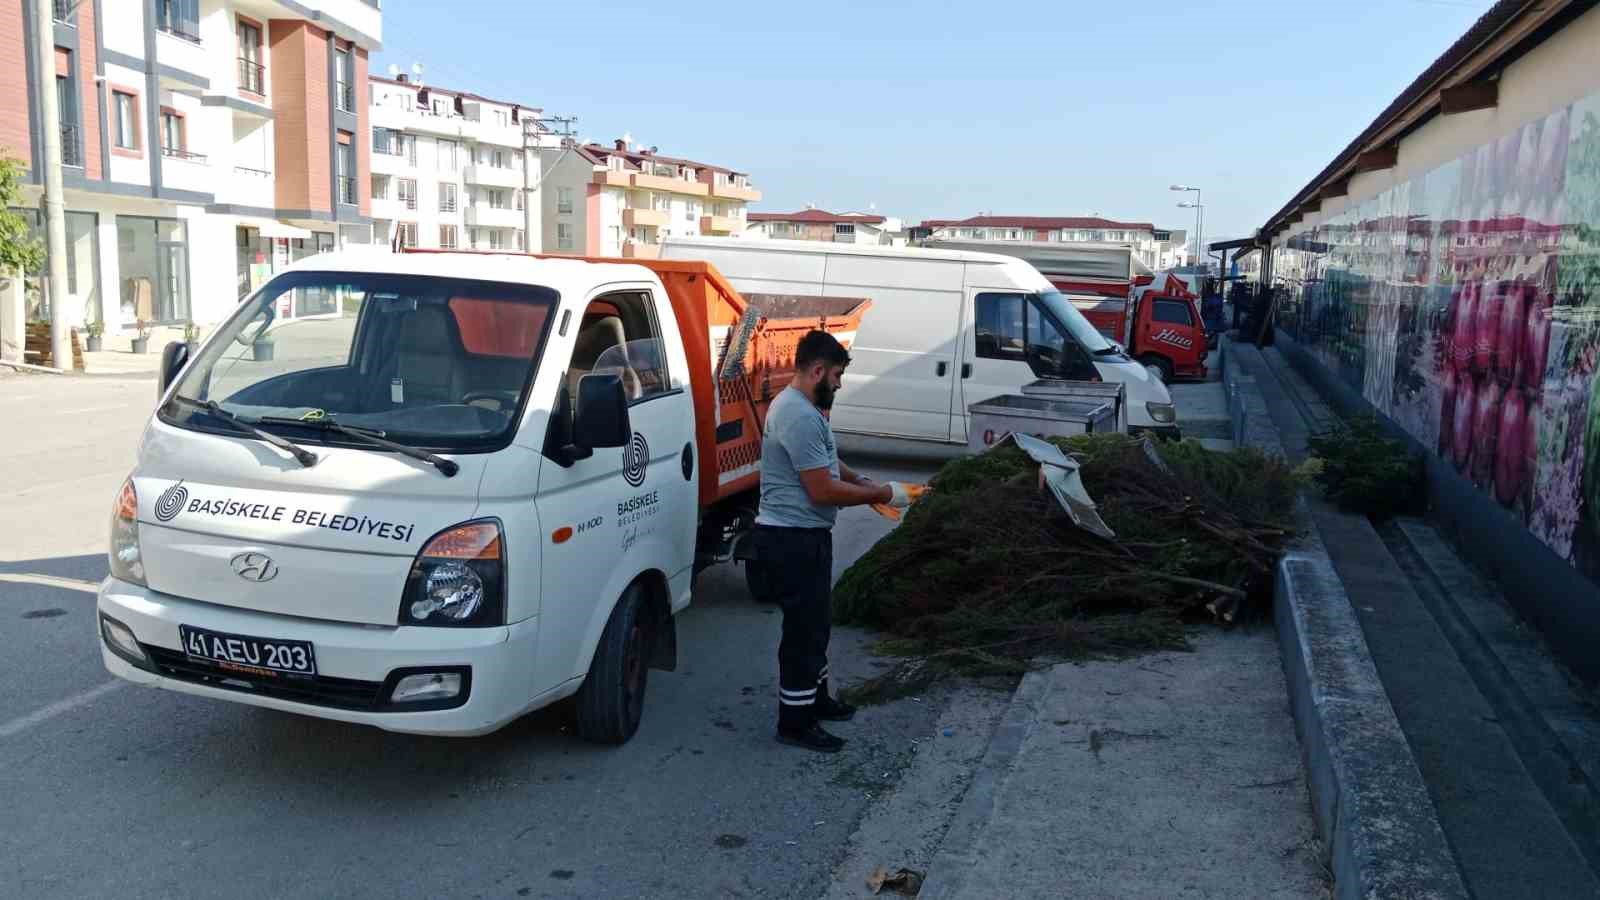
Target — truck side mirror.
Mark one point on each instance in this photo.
(602, 419)
(173, 356)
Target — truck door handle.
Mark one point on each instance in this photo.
(966, 370)
(941, 369)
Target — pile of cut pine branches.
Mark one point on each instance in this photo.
(986, 574)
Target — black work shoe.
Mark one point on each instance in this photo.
(831, 710)
(812, 738)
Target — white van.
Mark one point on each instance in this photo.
(948, 329)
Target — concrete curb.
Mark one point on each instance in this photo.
(1373, 812)
(955, 857)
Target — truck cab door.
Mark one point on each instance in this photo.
(1173, 329)
(621, 511)
(1010, 341)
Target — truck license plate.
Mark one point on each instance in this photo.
(248, 655)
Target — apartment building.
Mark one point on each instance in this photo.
(449, 168)
(821, 225)
(205, 143)
(624, 200)
(1140, 235)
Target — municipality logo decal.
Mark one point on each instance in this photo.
(635, 460)
(171, 502)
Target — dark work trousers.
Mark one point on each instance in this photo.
(793, 568)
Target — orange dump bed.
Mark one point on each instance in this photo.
(741, 354)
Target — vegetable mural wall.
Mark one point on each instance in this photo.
(1465, 305)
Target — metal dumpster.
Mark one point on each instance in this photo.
(1093, 391)
(1042, 417)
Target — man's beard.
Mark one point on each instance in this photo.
(823, 395)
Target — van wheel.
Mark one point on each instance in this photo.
(611, 701)
(1159, 367)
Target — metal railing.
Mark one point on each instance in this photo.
(177, 153)
(347, 97)
(71, 145)
(259, 173)
(347, 190)
(61, 11)
(447, 204)
(252, 76)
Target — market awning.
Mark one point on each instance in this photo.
(273, 228)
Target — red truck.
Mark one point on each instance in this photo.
(1154, 316)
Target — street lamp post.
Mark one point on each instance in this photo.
(1200, 225)
(1198, 221)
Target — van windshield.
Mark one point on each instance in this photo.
(1087, 336)
(440, 363)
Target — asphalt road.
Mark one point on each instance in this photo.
(113, 790)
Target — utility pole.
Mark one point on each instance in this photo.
(44, 41)
(533, 174)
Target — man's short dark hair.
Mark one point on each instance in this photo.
(820, 347)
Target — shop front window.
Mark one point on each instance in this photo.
(153, 260)
(83, 269)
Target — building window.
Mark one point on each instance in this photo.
(125, 133)
(153, 265)
(472, 238)
(522, 239)
(252, 74)
(501, 117)
(179, 18)
(175, 136)
(614, 163)
(563, 200)
(343, 80)
(407, 233)
(691, 211)
(447, 155)
(408, 192)
(345, 168)
(497, 239)
(564, 236)
(516, 195)
(500, 159)
(380, 187)
(497, 198)
(447, 236)
(447, 196)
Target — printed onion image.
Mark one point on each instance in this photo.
(1485, 431)
(1487, 336)
(1466, 313)
(1461, 426)
(1510, 459)
(1512, 333)
(1447, 410)
(1536, 345)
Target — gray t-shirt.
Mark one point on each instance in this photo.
(797, 439)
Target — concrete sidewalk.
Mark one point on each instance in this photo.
(1171, 775)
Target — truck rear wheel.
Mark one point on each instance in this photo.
(1159, 366)
(611, 701)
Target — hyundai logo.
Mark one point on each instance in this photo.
(254, 567)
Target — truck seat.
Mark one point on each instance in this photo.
(426, 358)
(598, 334)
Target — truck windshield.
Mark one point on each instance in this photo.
(439, 363)
(1076, 325)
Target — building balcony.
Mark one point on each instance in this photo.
(485, 216)
(670, 185)
(634, 250)
(612, 178)
(645, 218)
(480, 173)
(394, 209)
(186, 64)
(735, 192)
(187, 171)
(390, 164)
(717, 225)
(247, 186)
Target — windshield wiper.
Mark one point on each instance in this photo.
(302, 455)
(375, 438)
(1107, 351)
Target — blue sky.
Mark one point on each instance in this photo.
(944, 110)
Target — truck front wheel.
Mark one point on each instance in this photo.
(1159, 366)
(611, 701)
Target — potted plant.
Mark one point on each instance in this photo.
(141, 340)
(96, 331)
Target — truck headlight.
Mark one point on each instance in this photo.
(127, 564)
(458, 580)
(1164, 413)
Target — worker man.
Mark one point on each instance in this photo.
(803, 484)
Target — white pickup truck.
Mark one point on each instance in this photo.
(484, 484)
